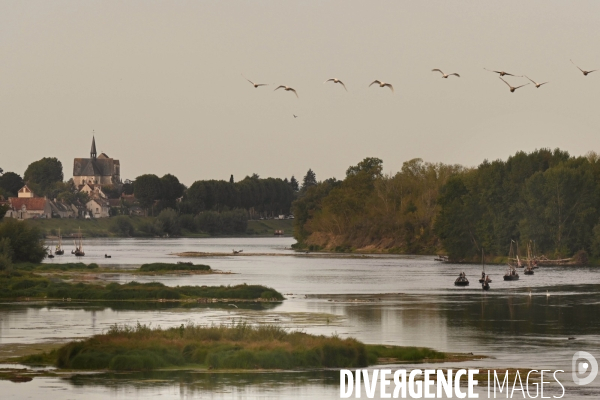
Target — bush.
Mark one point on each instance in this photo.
(168, 222)
(25, 243)
(227, 222)
(122, 226)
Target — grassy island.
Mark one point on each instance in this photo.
(29, 285)
(166, 267)
(236, 346)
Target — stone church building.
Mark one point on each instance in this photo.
(96, 170)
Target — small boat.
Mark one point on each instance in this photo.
(441, 258)
(530, 263)
(107, 256)
(511, 273)
(59, 250)
(485, 285)
(485, 279)
(50, 255)
(78, 247)
(461, 280)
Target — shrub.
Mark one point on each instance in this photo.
(25, 241)
(123, 226)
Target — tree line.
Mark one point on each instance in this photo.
(547, 198)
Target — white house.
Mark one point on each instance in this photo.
(98, 208)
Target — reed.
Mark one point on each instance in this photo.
(234, 346)
(27, 284)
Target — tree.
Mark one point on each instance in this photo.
(231, 179)
(25, 244)
(43, 173)
(310, 179)
(294, 184)
(11, 183)
(172, 189)
(147, 189)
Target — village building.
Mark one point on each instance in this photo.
(27, 206)
(93, 191)
(98, 208)
(63, 210)
(96, 170)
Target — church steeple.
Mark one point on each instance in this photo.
(93, 151)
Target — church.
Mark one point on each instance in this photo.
(96, 170)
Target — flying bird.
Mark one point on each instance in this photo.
(512, 89)
(295, 116)
(255, 84)
(335, 80)
(443, 74)
(584, 72)
(382, 84)
(287, 89)
(537, 85)
(502, 73)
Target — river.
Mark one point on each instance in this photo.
(399, 300)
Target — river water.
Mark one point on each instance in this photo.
(407, 301)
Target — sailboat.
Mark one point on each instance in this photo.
(529, 267)
(485, 279)
(511, 273)
(59, 250)
(79, 247)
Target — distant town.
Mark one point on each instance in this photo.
(97, 191)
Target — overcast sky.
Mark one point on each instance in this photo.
(160, 83)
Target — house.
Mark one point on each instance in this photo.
(97, 170)
(98, 208)
(29, 207)
(25, 192)
(63, 210)
(93, 191)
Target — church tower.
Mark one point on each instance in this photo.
(93, 151)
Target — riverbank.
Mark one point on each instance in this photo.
(105, 227)
(226, 347)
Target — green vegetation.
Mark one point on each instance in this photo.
(372, 211)
(547, 197)
(237, 346)
(155, 267)
(19, 242)
(10, 184)
(27, 284)
(79, 266)
(95, 227)
(269, 226)
(43, 174)
(132, 226)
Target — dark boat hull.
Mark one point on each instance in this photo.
(79, 254)
(461, 283)
(59, 252)
(511, 277)
(530, 272)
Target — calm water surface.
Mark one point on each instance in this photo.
(382, 299)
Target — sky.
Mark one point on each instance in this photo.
(159, 83)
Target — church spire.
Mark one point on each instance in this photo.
(93, 151)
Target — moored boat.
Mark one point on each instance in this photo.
(59, 250)
(79, 246)
(461, 280)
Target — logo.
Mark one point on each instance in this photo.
(582, 361)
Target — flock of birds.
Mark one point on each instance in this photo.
(444, 75)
